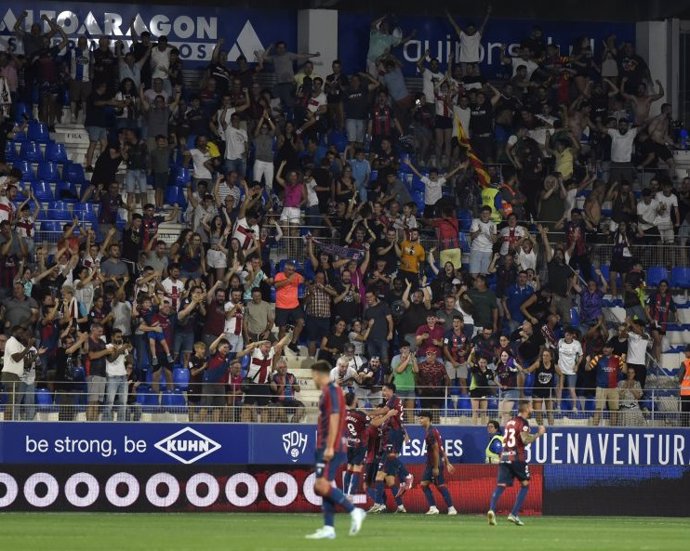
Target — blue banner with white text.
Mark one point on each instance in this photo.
(195, 30)
(438, 36)
(276, 444)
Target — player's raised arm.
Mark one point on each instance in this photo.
(529, 437)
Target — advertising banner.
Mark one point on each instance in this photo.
(252, 488)
(277, 444)
(195, 30)
(438, 36)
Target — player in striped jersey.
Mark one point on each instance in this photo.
(331, 446)
(436, 463)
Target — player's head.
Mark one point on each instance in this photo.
(493, 427)
(525, 408)
(388, 390)
(425, 418)
(320, 373)
(351, 400)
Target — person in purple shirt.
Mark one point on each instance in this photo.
(591, 302)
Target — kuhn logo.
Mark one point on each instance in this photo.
(295, 444)
(247, 43)
(187, 446)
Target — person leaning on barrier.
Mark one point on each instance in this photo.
(492, 453)
(285, 389)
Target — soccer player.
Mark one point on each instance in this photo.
(513, 465)
(390, 418)
(357, 435)
(330, 453)
(436, 462)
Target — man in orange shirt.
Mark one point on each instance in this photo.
(288, 309)
(411, 254)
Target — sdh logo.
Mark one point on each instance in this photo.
(187, 446)
(295, 444)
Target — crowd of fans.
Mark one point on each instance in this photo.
(388, 181)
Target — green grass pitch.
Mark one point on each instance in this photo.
(283, 532)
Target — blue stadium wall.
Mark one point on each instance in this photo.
(173, 467)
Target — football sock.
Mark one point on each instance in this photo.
(446, 495)
(398, 500)
(339, 498)
(496, 496)
(347, 481)
(429, 496)
(403, 473)
(520, 499)
(380, 489)
(354, 484)
(328, 511)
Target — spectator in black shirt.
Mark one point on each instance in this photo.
(69, 372)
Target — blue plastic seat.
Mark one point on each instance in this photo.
(66, 191)
(183, 176)
(58, 210)
(655, 274)
(338, 139)
(173, 401)
(574, 317)
(51, 227)
(680, 277)
(56, 152)
(22, 112)
(44, 399)
(465, 219)
(10, 151)
(31, 151)
(38, 132)
(181, 378)
(418, 199)
(172, 194)
(25, 168)
(86, 212)
(74, 172)
(464, 405)
(42, 191)
(48, 171)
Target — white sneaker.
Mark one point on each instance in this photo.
(491, 517)
(433, 510)
(452, 511)
(515, 520)
(357, 517)
(406, 485)
(323, 533)
(401, 509)
(376, 508)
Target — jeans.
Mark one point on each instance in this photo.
(27, 401)
(378, 348)
(116, 386)
(238, 165)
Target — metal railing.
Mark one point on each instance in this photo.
(448, 405)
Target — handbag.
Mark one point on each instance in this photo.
(248, 382)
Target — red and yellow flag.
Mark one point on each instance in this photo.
(475, 161)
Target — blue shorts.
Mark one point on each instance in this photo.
(394, 440)
(158, 337)
(507, 472)
(329, 469)
(355, 456)
(389, 465)
(429, 476)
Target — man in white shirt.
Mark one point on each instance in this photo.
(638, 344)
(236, 142)
(317, 105)
(646, 216)
(173, 286)
(160, 63)
(511, 236)
(483, 234)
(433, 187)
(344, 374)
(223, 117)
(17, 347)
(622, 144)
(431, 76)
(201, 160)
(667, 214)
(569, 356)
(234, 318)
(116, 376)
(470, 39)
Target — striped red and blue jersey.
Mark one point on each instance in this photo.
(332, 402)
(431, 439)
(608, 370)
(357, 425)
(396, 421)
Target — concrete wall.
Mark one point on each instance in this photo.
(317, 31)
